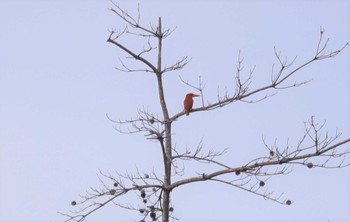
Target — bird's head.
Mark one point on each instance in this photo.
(191, 95)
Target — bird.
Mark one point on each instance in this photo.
(188, 102)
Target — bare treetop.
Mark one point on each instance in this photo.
(315, 148)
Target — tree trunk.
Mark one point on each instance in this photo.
(167, 124)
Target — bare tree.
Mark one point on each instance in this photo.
(315, 148)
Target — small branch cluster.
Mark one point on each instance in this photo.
(147, 187)
(146, 122)
(135, 28)
(319, 145)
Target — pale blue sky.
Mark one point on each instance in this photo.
(57, 82)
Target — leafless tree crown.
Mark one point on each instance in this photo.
(315, 148)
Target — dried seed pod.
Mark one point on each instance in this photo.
(143, 193)
(310, 165)
(261, 183)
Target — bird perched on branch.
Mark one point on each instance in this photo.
(188, 103)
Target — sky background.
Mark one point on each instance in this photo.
(58, 80)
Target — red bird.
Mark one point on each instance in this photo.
(188, 103)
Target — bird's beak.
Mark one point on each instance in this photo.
(195, 95)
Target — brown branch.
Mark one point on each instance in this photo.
(322, 147)
(131, 53)
(242, 87)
